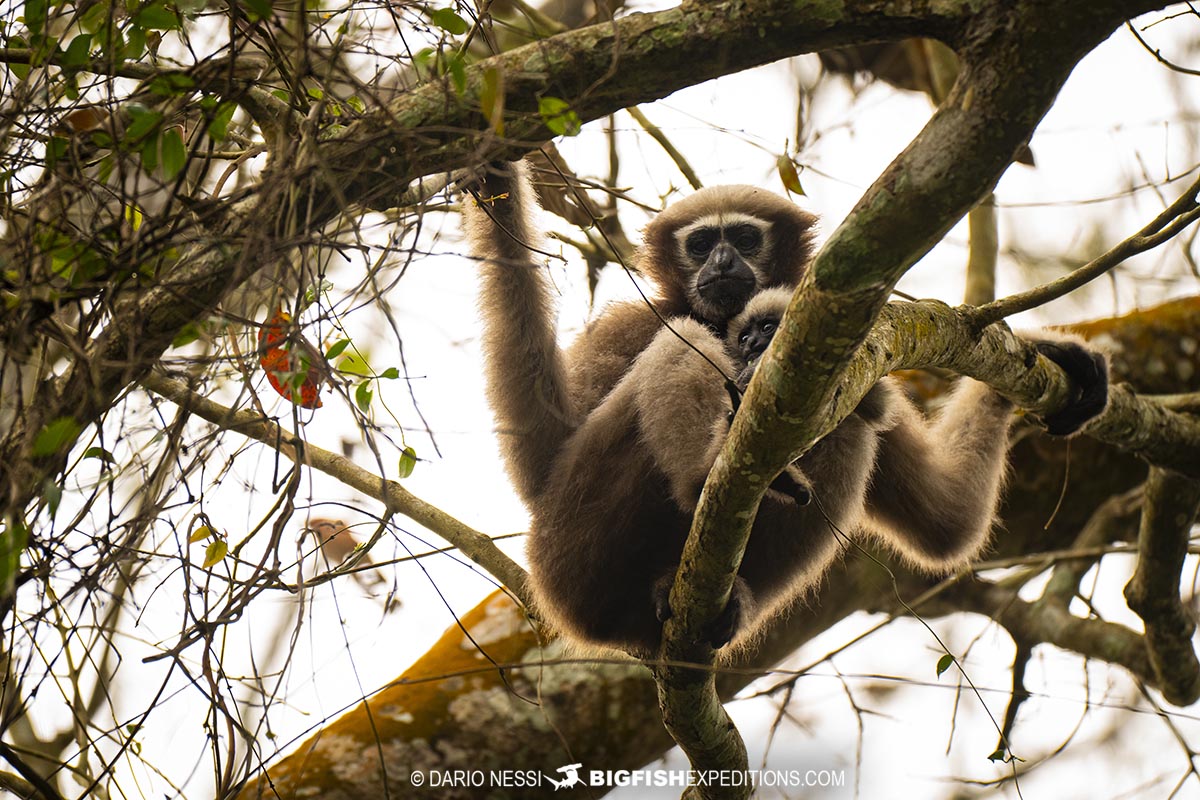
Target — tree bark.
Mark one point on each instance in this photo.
(606, 717)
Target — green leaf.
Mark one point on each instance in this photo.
(215, 551)
(219, 127)
(261, 8)
(13, 539)
(363, 396)
(150, 154)
(458, 73)
(174, 154)
(156, 17)
(391, 373)
(189, 333)
(52, 494)
(998, 755)
(56, 436)
(491, 99)
(944, 663)
(314, 291)
(172, 83)
(557, 115)
(143, 122)
(337, 348)
(354, 365)
(35, 15)
(100, 453)
(408, 462)
(78, 50)
(448, 20)
(56, 150)
(355, 102)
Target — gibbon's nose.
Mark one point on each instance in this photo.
(757, 343)
(724, 257)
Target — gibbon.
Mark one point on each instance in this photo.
(609, 443)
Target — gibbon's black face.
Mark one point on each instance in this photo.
(754, 338)
(723, 254)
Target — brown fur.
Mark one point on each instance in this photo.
(609, 444)
(928, 491)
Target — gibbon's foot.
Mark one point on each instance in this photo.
(794, 484)
(662, 597)
(1088, 372)
(721, 630)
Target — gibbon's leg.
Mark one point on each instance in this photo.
(526, 375)
(935, 490)
(611, 522)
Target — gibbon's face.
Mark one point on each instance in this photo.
(723, 255)
(755, 336)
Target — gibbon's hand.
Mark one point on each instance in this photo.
(722, 630)
(1088, 371)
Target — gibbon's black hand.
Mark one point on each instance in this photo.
(1088, 372)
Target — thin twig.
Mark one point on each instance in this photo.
(1171, 221)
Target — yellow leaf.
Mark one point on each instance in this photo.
(788, 174)
(491, 99)
(215, 552)
(200, 534)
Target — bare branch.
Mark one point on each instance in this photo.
(474, 545)
(1180, 214)
(1168, 513)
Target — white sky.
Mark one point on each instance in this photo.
(1118, 124)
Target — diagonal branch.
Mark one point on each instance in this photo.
(474, 545)
(1164, 227)
(1014, 60)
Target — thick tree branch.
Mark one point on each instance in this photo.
(1014, 58)
(599, 70)
(1168, 513)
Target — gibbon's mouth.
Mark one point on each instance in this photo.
(726, 290)
(723, 280)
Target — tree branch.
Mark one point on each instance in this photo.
(1177, 216)
(1014, 59)
(474, 545)
(1168, 513)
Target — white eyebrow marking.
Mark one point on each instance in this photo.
(721, 220)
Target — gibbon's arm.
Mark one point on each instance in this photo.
(526, 377)
(934, 490)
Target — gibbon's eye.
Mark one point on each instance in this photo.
(745, 337)
(768, 327)
(746, 238)
(700, 243)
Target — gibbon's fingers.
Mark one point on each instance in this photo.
(1088, 371)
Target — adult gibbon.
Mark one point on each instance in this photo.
(609, 443)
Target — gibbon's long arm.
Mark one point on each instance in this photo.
(526, 376)
(934, 491)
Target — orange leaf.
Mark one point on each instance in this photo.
(294, 368)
